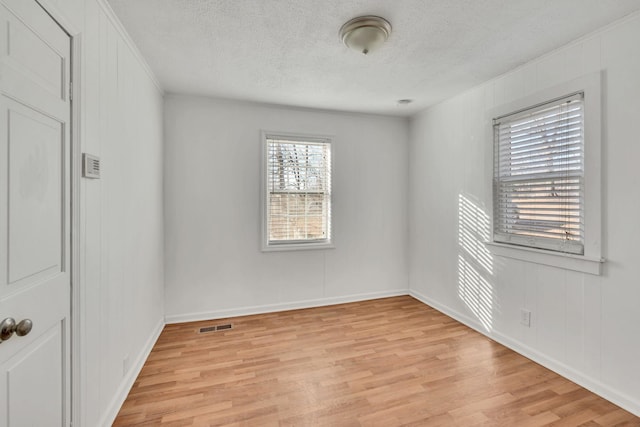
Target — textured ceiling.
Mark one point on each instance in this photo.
(288, 51)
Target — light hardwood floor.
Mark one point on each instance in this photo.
(386, 362)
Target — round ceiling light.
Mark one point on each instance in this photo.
(365, 33)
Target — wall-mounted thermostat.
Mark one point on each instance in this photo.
(90, 166)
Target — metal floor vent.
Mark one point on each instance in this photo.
(224, 327)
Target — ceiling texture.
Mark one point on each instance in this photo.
(288, 51)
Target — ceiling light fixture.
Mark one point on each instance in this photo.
(365, 33)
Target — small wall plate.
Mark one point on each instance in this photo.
(90, 166)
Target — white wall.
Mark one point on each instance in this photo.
(213, 263)
(583, 326)
(121, 215)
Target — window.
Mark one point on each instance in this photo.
(539, 176)
(297, 208)
(546, 176)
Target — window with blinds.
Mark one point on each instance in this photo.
(539, 176)
(298, 190)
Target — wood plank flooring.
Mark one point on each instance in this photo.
(386, 362)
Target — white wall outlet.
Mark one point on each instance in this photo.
(525, 317)
(125, 365)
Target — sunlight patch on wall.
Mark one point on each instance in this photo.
(474, 230)
(475, 262)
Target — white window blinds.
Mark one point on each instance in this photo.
(298, 190)
(539, 176)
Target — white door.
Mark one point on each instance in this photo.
(34, 216)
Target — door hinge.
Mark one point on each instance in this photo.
(71, 91)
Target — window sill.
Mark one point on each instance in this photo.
(297, 247)
(581, 263)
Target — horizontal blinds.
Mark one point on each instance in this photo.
(539, 176)
(298, 190)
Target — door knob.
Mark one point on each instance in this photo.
(8, 326)
(24, 327)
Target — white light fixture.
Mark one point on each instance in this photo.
(365, 33)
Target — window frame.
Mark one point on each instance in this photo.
(591, 260)
(292, 245)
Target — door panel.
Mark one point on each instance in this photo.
(42, 359)
(34, 215)
(28, 53)
(35, 144)
(35, 57)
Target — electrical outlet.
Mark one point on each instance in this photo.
(525, 317)
(125, 365)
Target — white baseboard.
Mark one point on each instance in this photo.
(125, 386)
(271, 308)
(624, 401)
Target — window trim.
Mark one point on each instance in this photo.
(591, 260)
(292, 245)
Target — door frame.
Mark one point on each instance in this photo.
(76, 415)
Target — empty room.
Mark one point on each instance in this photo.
(319, 213)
